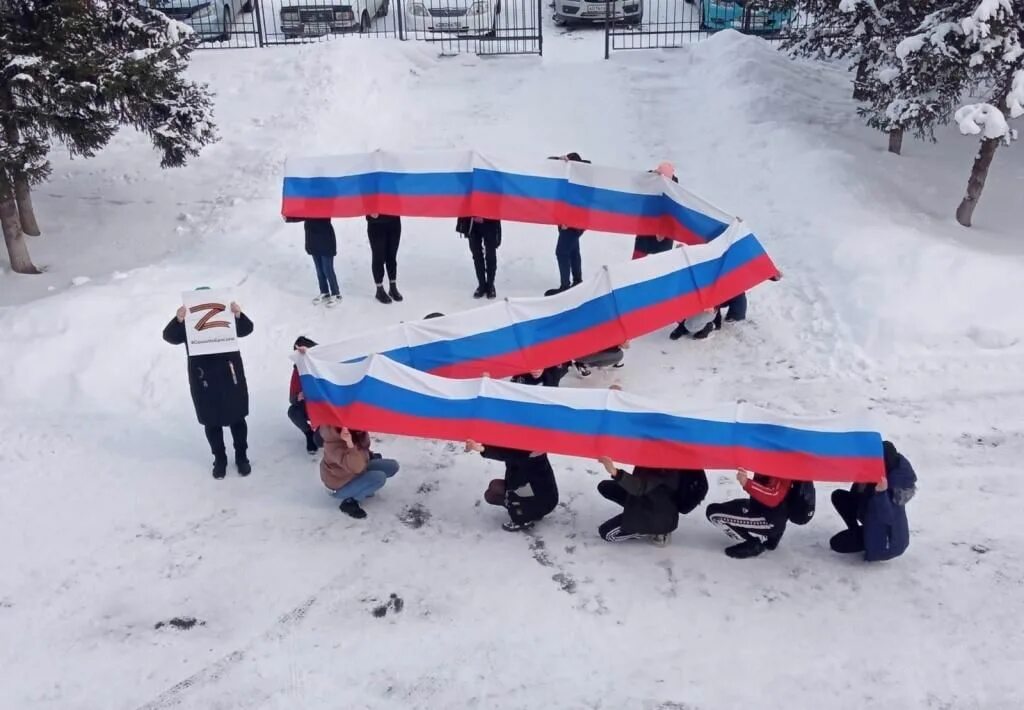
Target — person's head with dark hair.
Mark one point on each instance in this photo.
(433, 315)
(303, 342)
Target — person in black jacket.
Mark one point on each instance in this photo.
(322, 245)
(528, 492)
(567, 249)
(548, 377)
(484, 237)
(219, 392)
(651, 500)
(645, 245)
(385, 233)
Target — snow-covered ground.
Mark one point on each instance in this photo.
(110, 523)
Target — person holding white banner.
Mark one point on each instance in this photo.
(216, 376)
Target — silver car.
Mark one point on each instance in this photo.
(579, 11)
(211, 20)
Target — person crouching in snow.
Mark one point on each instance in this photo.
(651, 500)
(297, 400)
(528, 492)
(875, 513)
(548, 377)
(758, 522)
(700, 325)
(220, 393)
(609, 357)
(349, 470)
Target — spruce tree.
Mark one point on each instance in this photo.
(74, 72)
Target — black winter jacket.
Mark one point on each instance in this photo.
(651, 507)
(530, 488)
(320, 239)
(489, 228)
(657, 496)
(219, 390)
(549, 378)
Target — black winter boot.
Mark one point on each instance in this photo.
(220, 468)
(491, 293)
(243, 465)
(750, 548)
(556, 291)
(394, 293)
(311, 445)
(480, 292)
(677, 332)
(350, 507)
(382, 295)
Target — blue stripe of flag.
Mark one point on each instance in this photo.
(649, 426)
(600, 310)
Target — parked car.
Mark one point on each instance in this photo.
(211, 20)
(316, 18)
(579, 11)
(728, 14)
(462, 17)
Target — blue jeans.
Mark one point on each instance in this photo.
(737, 308)
(325, 275)
(377, 473)
(567, 252)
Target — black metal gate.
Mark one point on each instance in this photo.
(488, 27)
(672, 23)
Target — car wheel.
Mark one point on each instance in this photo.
(225, 24)
(365, 22)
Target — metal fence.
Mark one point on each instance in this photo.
(457, 26)
(672, 23)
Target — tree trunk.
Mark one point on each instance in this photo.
(896, 141)
(976, 183)
(860, 92)
(23, 198)
(17, 247)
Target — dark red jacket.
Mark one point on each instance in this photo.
(294, 387)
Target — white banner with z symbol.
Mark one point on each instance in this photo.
(209, 323)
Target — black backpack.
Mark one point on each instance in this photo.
(800, 502)
(693, 487)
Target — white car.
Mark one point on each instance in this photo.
(579, 11)
(461, 17)
(315, 18)
(210, 19)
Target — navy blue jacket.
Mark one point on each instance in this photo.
(886, 529)
(320, 239)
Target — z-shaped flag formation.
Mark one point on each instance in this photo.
(411, 379)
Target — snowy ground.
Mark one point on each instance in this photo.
(111, 524)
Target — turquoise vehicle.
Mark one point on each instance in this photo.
(729, 14)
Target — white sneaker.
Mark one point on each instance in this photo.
(332, 301)
(322, 298)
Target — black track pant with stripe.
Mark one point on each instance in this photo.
(611, 529)
(740, 521)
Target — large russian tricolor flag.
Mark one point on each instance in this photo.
(381, 395)
(623, 301)
(466, 184)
